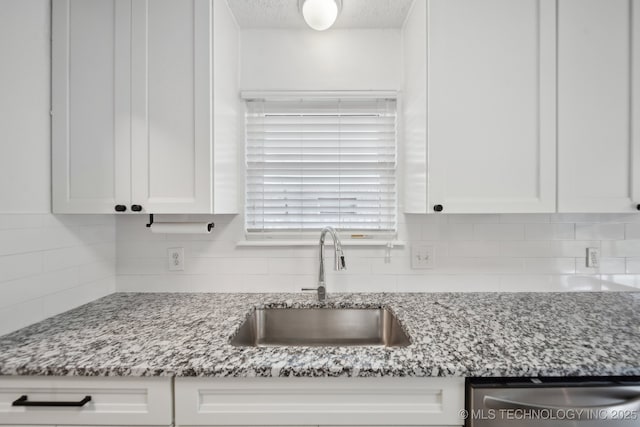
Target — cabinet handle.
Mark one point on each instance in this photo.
(638, 207)
(438, 208)
(22, 401)
(136, 208)
(121, 208)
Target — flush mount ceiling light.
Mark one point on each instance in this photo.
(320, 14)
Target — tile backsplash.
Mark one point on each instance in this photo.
(525, 252)
(50, 264)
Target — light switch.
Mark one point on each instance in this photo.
(422, 257)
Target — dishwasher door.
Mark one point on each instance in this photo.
(557, 403)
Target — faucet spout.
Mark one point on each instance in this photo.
(340, 263)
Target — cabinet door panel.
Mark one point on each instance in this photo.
(597, 137)
(491, 105)
(114, 401)
(90, 97)
(326, 401)
(171, 117)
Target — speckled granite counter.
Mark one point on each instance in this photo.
(473, 334)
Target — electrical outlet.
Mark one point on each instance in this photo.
(176, 259)
(593, 257)
(422, 257)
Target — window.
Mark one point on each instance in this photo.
(317, 162)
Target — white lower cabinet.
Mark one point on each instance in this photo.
(119, 401)
(318, 401)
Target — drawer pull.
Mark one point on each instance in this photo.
(22, 401)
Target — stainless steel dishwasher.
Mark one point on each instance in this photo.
(558, 402)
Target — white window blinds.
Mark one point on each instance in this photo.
(317, 162)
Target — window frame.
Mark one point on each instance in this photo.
(359, 237)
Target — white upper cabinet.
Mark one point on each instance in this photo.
(490, 119)
(598, 105)
(135, 121)
(90, 104)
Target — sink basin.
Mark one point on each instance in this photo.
(321, 327)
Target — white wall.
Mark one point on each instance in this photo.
(473, 252)
(48, 264)
(538, 252)
(364, 59)
(25, 142)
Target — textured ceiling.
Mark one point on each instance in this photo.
(285, 14)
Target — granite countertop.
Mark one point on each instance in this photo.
(453, 334)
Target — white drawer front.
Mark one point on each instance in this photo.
(318, 401)
(114, 401)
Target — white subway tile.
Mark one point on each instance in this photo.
(632, 231)
(550, 265)
(607, 266)
(21, 221)
(411, 231)
(67, 221)
(550, 232)
(100, 270)
(526, 249)
(371, 283)
(473, 218)
(575, 217)
(355, 266)
(498, 232)
(74, 297)
(633, 265)
(32, 287)
(297, 266)
(621, 282)
(621, 248)
(610, 265)
(577, 283)
(525, 218)
(396, 265)
(62, 258)
(574, 249)
(456, 232)
(448, 283)
(600, 231)
(473, 248)
(460, 265)
(18, 266)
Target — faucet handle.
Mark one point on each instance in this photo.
(309, 289)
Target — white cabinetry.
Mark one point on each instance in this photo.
(488, 136)
(112, 401)
(145, 106)
(318, 401)
(598, 105)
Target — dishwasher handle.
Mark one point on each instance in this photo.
(581, 412)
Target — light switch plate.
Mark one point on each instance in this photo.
(422, 257)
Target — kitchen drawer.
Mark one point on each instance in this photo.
(318, 401)
(114, 401)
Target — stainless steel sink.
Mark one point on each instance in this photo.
(321, 327)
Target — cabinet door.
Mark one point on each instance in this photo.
(598, 105)
(171, 106)
(122, 401)
(90, 105)
(325, 401)
(491, 105)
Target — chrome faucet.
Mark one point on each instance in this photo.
(340, 263)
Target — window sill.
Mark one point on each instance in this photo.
(352, 242)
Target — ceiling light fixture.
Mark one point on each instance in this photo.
(320, 14)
